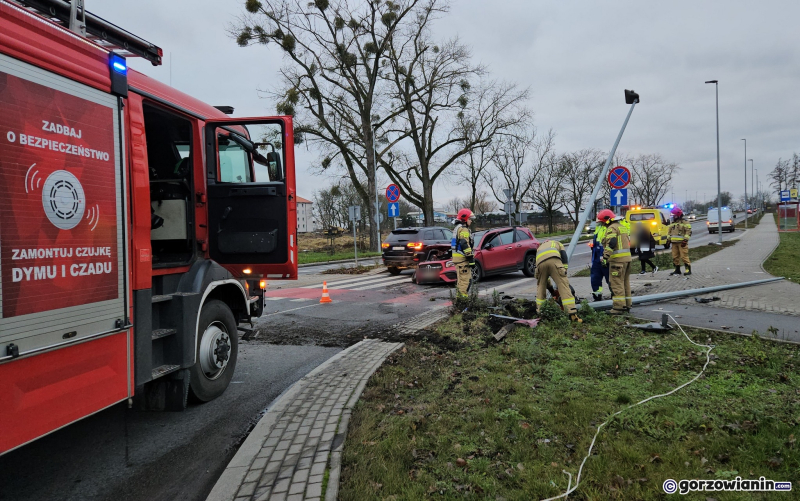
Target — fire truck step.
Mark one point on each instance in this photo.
(162, 298)
(159, 333)
(164, 369)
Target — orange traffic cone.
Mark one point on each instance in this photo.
(325, 297)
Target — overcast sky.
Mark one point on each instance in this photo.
(577, 57)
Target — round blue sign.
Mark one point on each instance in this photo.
(392, 193)
(619, 177)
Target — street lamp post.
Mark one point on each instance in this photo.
(758, 189)
(375, 177)
(752, 186)
(719, 182)
(745, 183)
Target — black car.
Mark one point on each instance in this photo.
(406, 247)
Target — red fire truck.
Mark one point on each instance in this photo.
(138, 226)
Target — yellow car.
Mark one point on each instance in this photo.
(656, 221)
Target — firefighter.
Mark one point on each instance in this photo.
(461, 247)
(617, 256)
(551, 262)
(598, 271)
(679, 233)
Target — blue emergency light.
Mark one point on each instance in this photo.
(118, 64)
(119, 74)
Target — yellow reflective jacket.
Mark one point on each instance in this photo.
(616, 243)
(551, 249)
(679, 231)
(600, 232)
(463, 241)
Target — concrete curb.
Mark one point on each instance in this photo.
(245, 477)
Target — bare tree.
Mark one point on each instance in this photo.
(516, 161)
(331, 205)
(492, 98)
(547, 191)
(434, 85)
(331, 84)
(780, 174)
(651, 178)
(483, 203)
(454, 205)
(581, 170)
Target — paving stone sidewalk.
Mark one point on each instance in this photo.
(739, 263)
(301, 436)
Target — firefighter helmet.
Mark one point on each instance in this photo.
(464, 215)
(677, 213)
(605, 216)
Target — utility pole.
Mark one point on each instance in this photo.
(745, 183)
(719, 181)
(375, 178)
(631, 98)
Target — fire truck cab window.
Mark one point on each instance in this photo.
(254, 157)
(169, 160)
(234, 161)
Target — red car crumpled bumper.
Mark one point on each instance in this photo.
(436, 272)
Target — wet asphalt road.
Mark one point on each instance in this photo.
(120, 454)
(700, 236)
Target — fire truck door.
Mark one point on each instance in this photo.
(249, 195)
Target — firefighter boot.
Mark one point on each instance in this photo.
(676, 272)
(597, 297)
(575, 318)
(688, 270)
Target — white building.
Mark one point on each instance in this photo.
(305, 216)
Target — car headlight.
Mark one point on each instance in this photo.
(449, 264)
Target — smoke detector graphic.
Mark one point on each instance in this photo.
(63, 199)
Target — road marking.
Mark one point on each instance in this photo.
(300, 300)
(375, 285)
(287, 311)
(357, 282)
(375, 281)
(273, 298)
(346, 281)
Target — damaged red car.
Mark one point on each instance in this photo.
(497, 251)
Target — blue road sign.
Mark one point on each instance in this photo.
(393, 194)
(619, 196)
(619, 177)
(394, 209)
(786, 195)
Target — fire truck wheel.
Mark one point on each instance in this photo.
(217, 347)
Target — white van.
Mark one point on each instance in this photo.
(727, 220)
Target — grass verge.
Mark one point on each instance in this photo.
(663, 258)
(785, 260)
(323, 257)
(459, 415)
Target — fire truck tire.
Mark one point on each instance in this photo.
(394, 270)
(217, 348)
